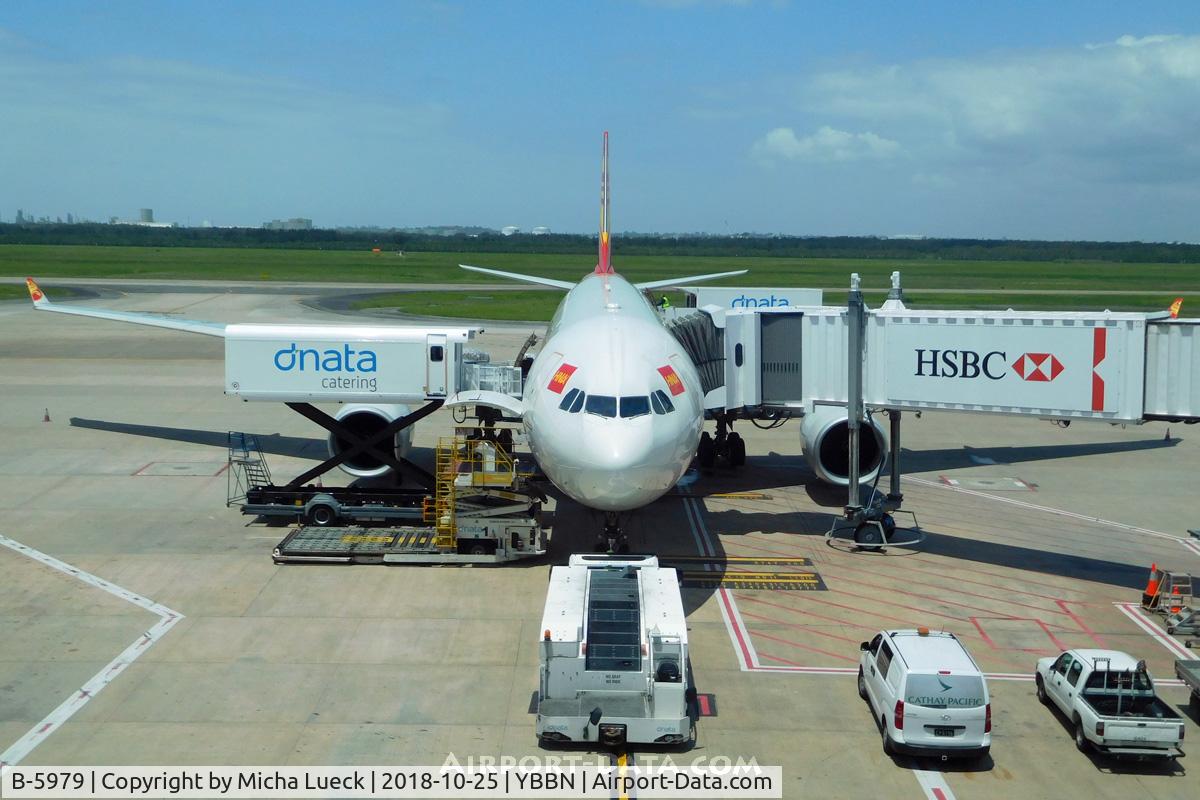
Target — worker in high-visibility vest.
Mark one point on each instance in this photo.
(664, 303)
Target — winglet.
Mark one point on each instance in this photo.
(604, 264)
(36, 294)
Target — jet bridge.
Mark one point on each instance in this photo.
(1116, 367)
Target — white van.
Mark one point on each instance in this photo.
(927, 694)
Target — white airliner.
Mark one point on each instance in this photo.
(613, 405)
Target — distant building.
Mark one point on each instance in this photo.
(509, 230)
(540, 230)
(293, 224)
(146, 216)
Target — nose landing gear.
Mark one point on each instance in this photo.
(613, 539)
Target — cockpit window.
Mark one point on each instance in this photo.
(573, 401)
(635, 406)
(662, 404)
(601, 405)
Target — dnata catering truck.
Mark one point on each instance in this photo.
(927, 694)
(1110, 700)
(614, 654)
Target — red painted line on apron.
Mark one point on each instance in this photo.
(781, 640)
(806, 628)
(959, 591)
(737, 629)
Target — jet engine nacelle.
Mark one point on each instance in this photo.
(366, 420)
(825, 439)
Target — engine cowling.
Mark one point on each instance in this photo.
(366, 420)
(825, 439)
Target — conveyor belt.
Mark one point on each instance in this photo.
(354, 545)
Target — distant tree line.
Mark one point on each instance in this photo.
(627, 244)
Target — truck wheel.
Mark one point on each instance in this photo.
(322, 515)
(862, 685)
(478, 549)
(1081, 742)
(1042, 697)
(889, 747)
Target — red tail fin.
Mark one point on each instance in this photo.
(604, 265)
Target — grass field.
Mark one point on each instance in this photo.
(219, 264)
(540, 305)
(957, 283)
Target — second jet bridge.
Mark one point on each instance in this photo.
(1118, 367)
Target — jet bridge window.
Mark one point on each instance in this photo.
(573, 401)
(634, 406)
(662, 404)
(601, 405)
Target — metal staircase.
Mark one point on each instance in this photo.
(446, 460)
(247, 467)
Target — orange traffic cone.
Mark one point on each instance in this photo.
(1150, 596)
(1176, 606)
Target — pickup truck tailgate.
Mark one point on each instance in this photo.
(1140, 733)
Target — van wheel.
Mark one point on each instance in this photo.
(1042, 697)
(862, 685)
(889, 747)
(1081, 742)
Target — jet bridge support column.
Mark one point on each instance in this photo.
(895, 497)
(856, 319)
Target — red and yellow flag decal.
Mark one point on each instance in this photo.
(1174, 307)
(673, 382)
(561, 376)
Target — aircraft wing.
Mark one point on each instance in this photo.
(516, 276)
(42, 303)
(688, 279)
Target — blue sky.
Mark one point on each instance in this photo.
(1064, 120)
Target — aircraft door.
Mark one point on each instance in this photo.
(436, 364)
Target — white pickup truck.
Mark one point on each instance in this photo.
(1110, 700)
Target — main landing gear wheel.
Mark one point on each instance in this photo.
(706, 451)
(737, 450)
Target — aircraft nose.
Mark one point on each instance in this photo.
(620, 470)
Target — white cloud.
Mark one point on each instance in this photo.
(825, 145)
(1128, 109)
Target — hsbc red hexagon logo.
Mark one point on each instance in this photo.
(1042, 367)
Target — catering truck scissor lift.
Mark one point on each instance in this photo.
(614, 654)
